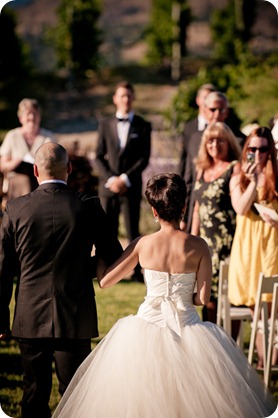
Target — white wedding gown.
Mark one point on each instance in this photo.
(165, 362)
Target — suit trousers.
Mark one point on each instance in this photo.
(37, 356)
(129, 205)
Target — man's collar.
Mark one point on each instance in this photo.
(53, 181)
(202, 123)
(130, 115)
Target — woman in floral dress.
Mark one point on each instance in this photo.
(214, 218)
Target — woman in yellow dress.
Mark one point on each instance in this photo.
(255, 244)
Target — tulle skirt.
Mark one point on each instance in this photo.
(140, 370)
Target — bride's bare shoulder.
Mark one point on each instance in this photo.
(196, 243)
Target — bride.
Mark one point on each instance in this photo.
(165, 362)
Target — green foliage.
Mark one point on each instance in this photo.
(14, 54)
(231, 29)
(160, 34)
(251, 87)
(15, 67)
(76, 36)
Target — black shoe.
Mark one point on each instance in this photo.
(138, 277)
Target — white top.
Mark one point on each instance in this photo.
(15, 146)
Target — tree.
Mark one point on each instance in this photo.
(13, 62)
(160, 34)
(76, 36)
(15, 68)
(231, 29)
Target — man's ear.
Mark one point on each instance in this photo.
(36, 171)
(69, 167)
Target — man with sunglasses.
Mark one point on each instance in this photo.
(195, 125)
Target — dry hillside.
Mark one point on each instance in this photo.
(73, 113)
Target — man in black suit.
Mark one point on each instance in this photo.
(197, 124)
(123, 152)
(46, 242)
(215, 109)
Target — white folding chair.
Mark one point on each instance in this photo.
(227, 313)
(272, 342)
(265, 286)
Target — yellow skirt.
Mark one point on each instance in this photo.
(254, 250)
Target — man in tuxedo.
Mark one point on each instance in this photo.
(215, 109)
(46, 242)
(123, 152)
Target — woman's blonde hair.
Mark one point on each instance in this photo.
(217, 130)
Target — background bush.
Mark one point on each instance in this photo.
(251, 87)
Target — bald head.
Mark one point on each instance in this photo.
(51, 162)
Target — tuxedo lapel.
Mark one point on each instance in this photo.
(114, 135)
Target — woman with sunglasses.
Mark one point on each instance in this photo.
(255, 244)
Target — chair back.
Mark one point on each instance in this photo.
(223, 302)
(272, 336)
(227, 313)
(265, 286)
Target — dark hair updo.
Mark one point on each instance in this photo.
(166, 194)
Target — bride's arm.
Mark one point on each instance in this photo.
(204, 275)
(108, 276)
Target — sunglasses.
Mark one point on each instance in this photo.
(213, 109)
(261, 150)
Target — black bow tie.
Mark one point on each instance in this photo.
(122, 119)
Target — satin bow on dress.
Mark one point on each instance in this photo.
(174, 299)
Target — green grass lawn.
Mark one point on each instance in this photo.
(112, 304)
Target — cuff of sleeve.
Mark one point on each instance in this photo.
(125, 179)
(109, 182)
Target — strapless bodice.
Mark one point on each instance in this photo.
(170, 285)
(169, 300)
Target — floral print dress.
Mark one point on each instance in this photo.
(217, 219)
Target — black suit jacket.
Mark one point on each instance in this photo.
(190, 175)
(190, 128)
(131, 160)
(46, 241)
